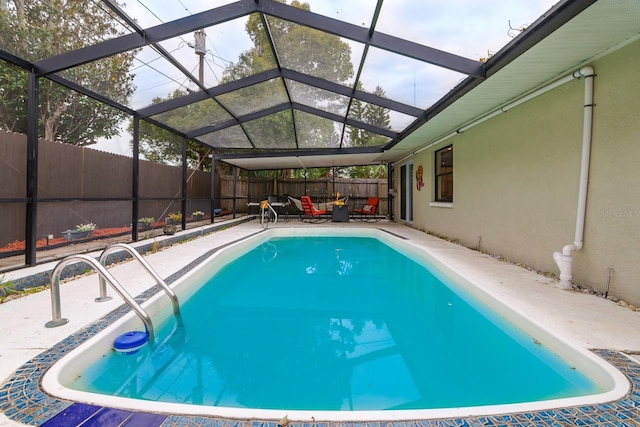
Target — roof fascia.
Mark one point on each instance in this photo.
(556, 17)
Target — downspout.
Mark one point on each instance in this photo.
(564, 259)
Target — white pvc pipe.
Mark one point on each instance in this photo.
(497, 112)
(518, 101)
(564, 259)
(588, 74)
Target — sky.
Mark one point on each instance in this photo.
(470, 28)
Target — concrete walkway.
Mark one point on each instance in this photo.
(587, 320)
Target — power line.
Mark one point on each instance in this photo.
(185, 7)
(150, 11)
(185, 41)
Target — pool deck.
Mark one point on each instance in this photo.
(589, 321)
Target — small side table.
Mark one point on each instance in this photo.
(340, 213)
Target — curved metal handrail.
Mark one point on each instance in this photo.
(56, 318)
(265, 206)
(103, 288)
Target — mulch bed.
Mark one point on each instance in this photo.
(20, 246)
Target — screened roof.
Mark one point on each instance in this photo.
(267, 85)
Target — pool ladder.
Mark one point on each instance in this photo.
(106, 277)
(265, 211)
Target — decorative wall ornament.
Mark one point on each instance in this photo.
(419, 182)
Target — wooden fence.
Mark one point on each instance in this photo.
(320, 189)
(80, 185)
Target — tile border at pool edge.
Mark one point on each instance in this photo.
(21, 398)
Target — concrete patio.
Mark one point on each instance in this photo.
(587, 320)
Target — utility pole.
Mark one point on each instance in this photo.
(200, 46)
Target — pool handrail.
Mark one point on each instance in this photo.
(56, 314)
(103, 288)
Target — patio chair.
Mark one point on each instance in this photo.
(328, 206)
(311, 214)
(296, 204)
(283, 207)
(368, 211)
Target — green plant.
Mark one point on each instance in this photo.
(177, 216)
(147, 220)
(6, 288)
(86, 227)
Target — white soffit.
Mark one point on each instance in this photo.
(603, 27)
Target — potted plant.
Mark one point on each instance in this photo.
(197, 215)
(82, 231)
(174, 218)
(145, 223)
(169, 229)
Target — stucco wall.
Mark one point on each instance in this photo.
(516, 180)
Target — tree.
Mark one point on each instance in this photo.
(37, 30)
(304, 50)
(373, 115)
(300, 48)
(161, 146)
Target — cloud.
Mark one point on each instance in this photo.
(464, 27)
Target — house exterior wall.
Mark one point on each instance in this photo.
(516, 180)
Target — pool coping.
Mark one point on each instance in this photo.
(23, 400)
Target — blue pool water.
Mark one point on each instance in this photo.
(316, 323)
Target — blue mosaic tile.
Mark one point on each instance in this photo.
(21, 398)
(107, 417)
(72, 416)
(144, 420)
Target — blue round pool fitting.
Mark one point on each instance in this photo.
(130, 342)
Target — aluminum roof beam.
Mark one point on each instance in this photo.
(287, 74)
(12, 59)
(299, 153)
(245, 7)
(287, 106)
(234, 122)
(341, 119)
(91, 94)
(383, 41)
(348, 91)
(151, 35)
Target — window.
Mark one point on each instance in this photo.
(444, 174)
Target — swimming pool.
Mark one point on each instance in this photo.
(383, 344)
